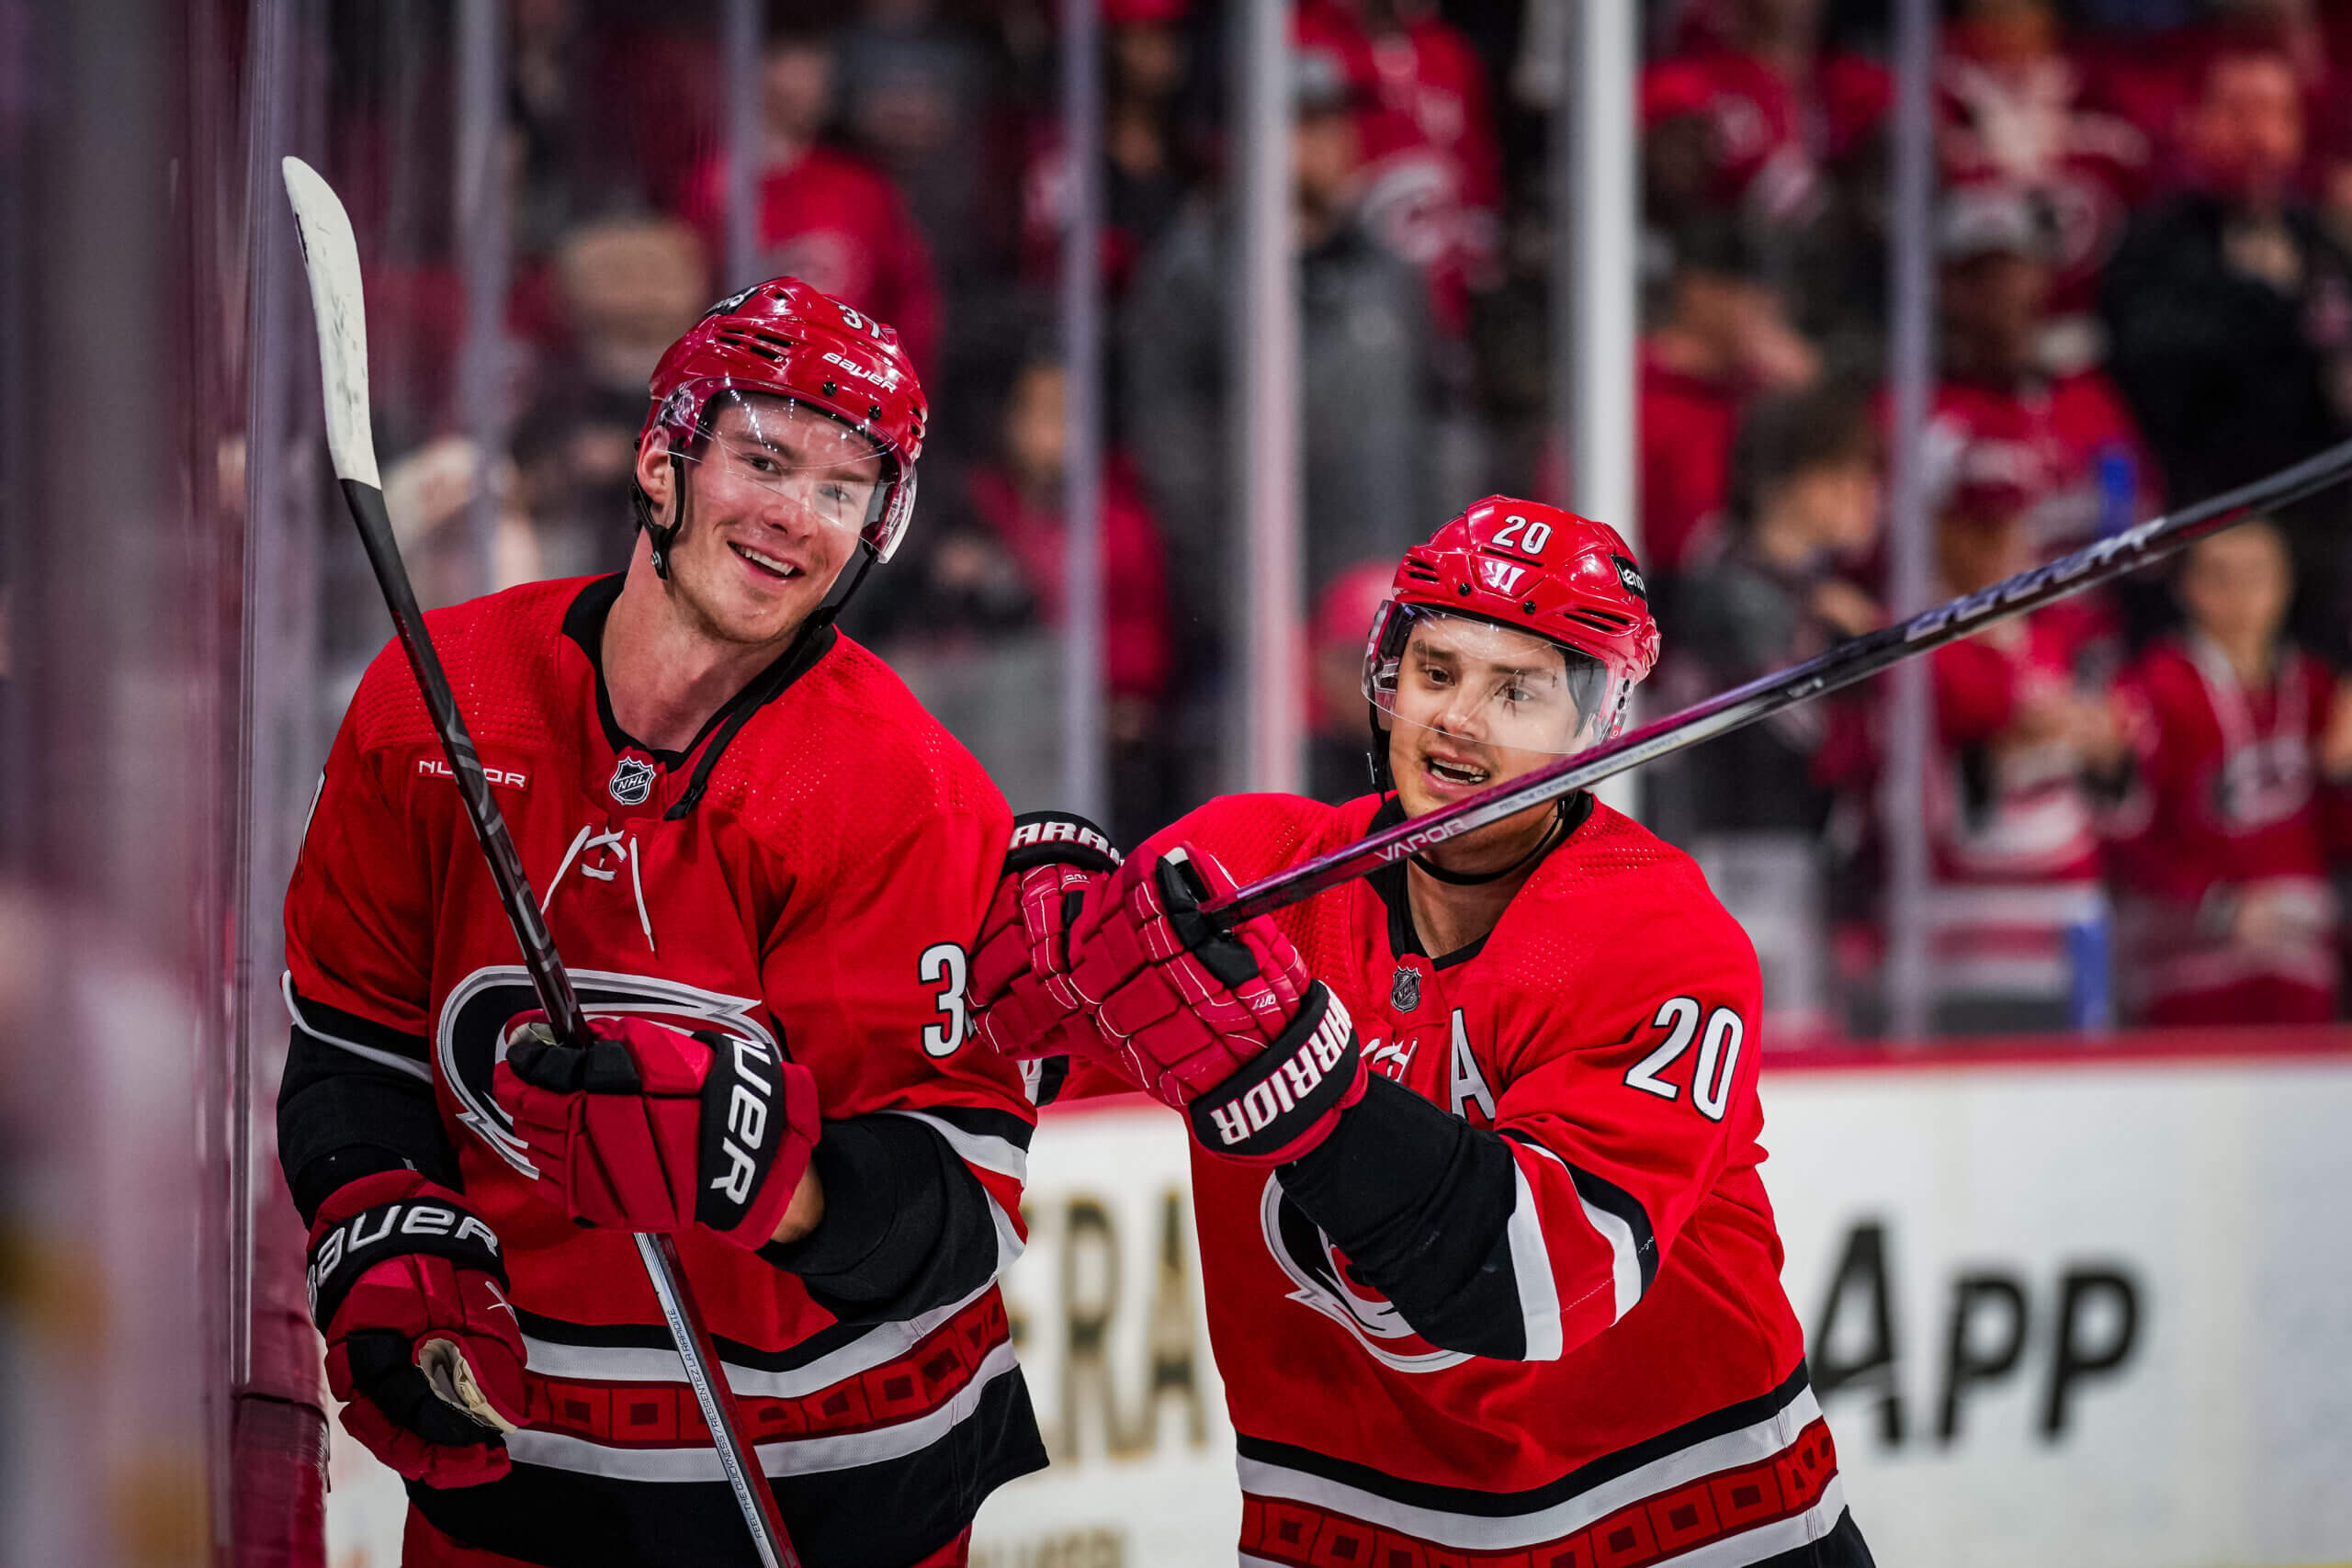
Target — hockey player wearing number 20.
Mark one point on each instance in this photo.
(762, 862)
(1491, 1274)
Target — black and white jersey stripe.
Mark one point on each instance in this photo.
(1752, 1433)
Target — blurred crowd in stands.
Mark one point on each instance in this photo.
(2137, 801)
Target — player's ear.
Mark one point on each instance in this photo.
(655, 472)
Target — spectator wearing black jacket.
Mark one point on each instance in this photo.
(2229, 306)
(1804, 501)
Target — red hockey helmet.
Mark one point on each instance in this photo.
(784, 339)
(1536, 569)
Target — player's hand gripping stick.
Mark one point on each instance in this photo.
(652, 1128)
(408, 1288)
(1225, 1025)
(330, 256)
(1020, 960)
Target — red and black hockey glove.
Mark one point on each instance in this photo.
(1226, 1026)
(410, 1289)
(1021, 993)
(648, 1128)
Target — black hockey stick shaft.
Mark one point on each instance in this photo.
(330, 256)
(1838, 667)
(547, 976)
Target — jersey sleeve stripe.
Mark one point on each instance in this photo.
(981, 1120)
(1530, 1266)
(1619, 1219)
(333, 1026)
(1625, 1272)
(985, 1150)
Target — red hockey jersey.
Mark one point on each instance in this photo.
(835, 221)
(2228, 803)
(2001, 810)
(1659, 1406)
(2065, 449)
(811, 871)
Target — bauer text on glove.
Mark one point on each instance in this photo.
(403, 1277)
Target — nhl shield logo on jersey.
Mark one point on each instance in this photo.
(632, 781)
(1405, 988)
(1320, 1272)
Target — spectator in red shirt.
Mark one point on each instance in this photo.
(1774, 112)
(1721, 339)
(2013, 108)
(2225, 914)
(2028, 748)
(2018, 712)
(827, 218)
(2064, 443)
(1432, 183)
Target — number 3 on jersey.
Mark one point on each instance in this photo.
(1718, 1055)
(943, 966)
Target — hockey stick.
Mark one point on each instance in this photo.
(1838, 667)
(332, 257)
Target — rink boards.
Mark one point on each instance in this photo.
(2066, 1310)
(2145, 1252)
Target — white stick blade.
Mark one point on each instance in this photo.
(332, 257)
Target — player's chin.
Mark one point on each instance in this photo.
(762, 608)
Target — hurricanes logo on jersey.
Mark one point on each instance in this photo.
(1324, 1279)
(469, 1038)
(632, 781)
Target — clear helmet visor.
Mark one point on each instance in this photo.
(1482, 685)
(764, 449)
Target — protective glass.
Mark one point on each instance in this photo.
(1485, 684)
(833, 475)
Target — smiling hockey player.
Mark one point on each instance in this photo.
(762, 861)
(1491, 1274)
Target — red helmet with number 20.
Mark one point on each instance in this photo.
(784, 339)
(1537, 569)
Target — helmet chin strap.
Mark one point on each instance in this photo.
(837, 600)
(664, 539)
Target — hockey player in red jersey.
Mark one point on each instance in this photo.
(1491, 1275)
(762, 862)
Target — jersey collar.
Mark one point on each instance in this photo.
(1389, 883)
(583, 623)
